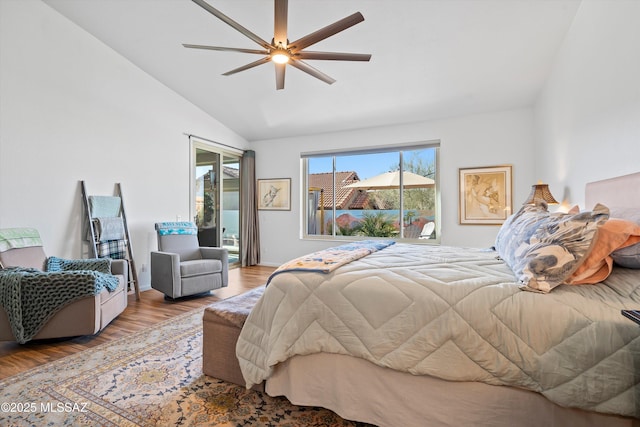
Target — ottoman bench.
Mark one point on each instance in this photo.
(221, 325)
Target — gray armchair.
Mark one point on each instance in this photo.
(181, 267)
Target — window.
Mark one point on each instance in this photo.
(388, 192)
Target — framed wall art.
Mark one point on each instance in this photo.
(274, 194)
(485, 195)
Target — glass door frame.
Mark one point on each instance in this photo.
(197, 143)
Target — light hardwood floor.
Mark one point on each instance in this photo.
(150, 309)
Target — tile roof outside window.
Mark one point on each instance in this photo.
(346, 198)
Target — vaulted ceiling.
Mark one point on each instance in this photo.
(430, 58)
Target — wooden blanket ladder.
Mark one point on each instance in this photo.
(94, 244)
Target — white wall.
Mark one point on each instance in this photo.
(480, 140)
(587, 119)
(72, 109)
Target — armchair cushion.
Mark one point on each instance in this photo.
(199, 267)
(31, 257)
(184, 245)
(21, 247)
(180, 238)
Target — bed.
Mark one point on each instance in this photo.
(428, 335)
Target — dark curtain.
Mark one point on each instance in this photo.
(250, 231)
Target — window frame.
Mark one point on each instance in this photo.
(398, 148)
(223, 153)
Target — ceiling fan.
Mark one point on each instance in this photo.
(282, 52)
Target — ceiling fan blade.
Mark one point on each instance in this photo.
(325, 32)
(280, 68)
(230, 49)
(224, 18)
(246, 67)
(280, 22)
(312, 71)
(333, 56)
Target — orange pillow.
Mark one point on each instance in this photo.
(613, 234)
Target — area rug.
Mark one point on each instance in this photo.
(151, 378)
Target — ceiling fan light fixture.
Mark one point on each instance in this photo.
(280, 55)
(280, 51)
(280, 58)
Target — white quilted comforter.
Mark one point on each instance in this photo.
(456, 314)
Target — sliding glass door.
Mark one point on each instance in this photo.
(215, 199)
(207, 216)
(231, 206)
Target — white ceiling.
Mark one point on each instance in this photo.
(430, 58)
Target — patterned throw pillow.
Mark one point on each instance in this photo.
(543, 249)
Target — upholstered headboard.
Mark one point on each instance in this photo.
(621, 191)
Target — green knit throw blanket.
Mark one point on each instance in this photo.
(31, 297)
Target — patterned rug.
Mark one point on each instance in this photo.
(150, 378)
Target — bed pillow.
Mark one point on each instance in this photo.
(628, 257)
(544, 249)
(519, 226)
(613, 235)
